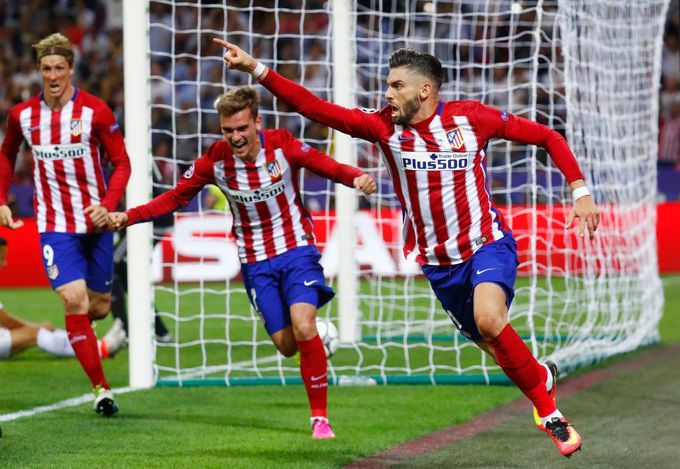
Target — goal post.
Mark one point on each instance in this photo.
(588, 68)
(137, 140)
(345, 152)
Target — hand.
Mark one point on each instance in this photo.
(235, 57)
(365, 184)
(588, 217)
(6, 218)
(117, 220)
(98, 214)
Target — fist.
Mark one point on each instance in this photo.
(365, 184)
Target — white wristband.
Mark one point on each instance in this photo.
(580, 192)
(257, 71)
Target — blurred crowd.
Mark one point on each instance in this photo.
(187, 72)
(669, 102)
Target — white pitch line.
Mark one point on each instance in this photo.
(75, 401)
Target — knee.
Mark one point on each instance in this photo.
(305, 330)
(75, 301)
(490, 325)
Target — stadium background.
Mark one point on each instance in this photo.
(207, 427)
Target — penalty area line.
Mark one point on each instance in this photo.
(73, 402)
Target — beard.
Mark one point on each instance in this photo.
(410, 108)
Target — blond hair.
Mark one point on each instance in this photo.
(236, 100)
(55, 44)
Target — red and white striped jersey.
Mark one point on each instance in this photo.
(268, 216)
(68, 171)
(437, 166)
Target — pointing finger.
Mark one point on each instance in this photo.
(226, 44)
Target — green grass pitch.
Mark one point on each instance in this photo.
(263, 426)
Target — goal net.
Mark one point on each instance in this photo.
(587, 68)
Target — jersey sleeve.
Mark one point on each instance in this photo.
(303, 155)
(198, 175)
(496, 123)
(108, 133)
(8, 154)
(364, 124)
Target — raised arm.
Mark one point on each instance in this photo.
(354, 122)
(493, 122)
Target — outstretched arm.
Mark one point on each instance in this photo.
(354, 122)
(188, 186)
(496, 123)
(303, 155)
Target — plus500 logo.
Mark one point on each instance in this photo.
(58, 152)
(435, 161)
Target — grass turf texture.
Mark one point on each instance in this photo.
(264, 426)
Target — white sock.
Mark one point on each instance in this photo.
(548, 382)
(548, 418)
(55, 342)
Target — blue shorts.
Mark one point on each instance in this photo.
(454, 285)
(74, 256)
(274, 284)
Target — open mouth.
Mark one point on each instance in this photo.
(395, 110)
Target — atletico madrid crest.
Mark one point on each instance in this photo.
(455, 138)
(274, 169)
(53, 271)
(76, 127)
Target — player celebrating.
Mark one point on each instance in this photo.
(258, 172)
(65, 127)
(435, 152)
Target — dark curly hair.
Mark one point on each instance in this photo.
(425, 64)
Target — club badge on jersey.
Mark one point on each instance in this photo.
(455, 138)
(274, 170)
(76, 127)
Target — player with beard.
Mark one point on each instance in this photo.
(435, 152)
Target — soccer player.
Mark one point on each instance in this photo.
(65, 128)
(258, 172)
(435, 152)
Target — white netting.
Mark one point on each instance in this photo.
(586, 68)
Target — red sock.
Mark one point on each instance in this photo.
(314, 374)
(84, 344)
(516, 360)
(543, 372)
